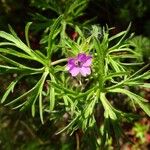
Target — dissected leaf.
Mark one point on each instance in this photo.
(143, 103)
(10, 88)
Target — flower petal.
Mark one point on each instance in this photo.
(88, 62)
(74, 71)
(71, 61)
(85, 71)
(70, 64)
(81, 57)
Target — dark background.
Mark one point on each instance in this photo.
(114, 13)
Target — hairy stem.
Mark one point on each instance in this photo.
(58, 61)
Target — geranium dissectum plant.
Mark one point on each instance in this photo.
(88, 103)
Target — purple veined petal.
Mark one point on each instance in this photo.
(88, 62)
(85, 71)
(74, 71)
(88, 57)
(88, 71)
(81, 57)
(70, 66)
(71, 61)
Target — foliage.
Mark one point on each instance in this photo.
(142, 46)
(79, 100)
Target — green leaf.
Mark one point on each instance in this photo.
(52, 93)
(6, 44)
(50, 38)
(75, 49)
(145, 85)
(32, 91)
(69, 103)
(20, 105)
(117, 35)
(10, 88)
(31, 97)
(116, 74)
(23, 95)
(40, 54)
(124, 49)
(76, 8)
(13, 32)
(18, 66)
(39, 94)
(41, 107)
(18, 43)
(132, 64)
(15, 53)
(109, 110)
(120, 56)
(8, 69)
(27, 33)
(67, 125)
(52, 98)
(144, 76)
(12, 61)
(78, 30)
(65, 100)
(124, 33)
(62, 88)
(115, 65)
(101, 51)
(143, 103)
(89, 109)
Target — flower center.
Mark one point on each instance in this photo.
(79, 64)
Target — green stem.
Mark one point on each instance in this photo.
(101, 57)
(59, 61)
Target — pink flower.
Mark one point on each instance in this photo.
(80, 64)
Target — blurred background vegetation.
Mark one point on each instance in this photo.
(21, 132)
(117, 13)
